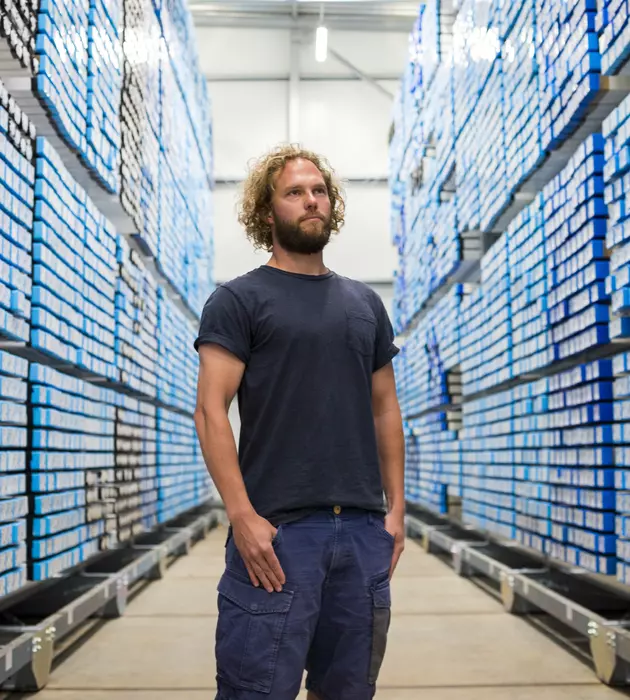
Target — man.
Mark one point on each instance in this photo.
(315, 496)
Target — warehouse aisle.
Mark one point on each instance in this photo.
(450, 641)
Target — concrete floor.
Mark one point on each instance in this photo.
(449, 641)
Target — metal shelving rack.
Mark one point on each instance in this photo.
(37, 621)
(19, 83)
(611, 93)
(587, 612)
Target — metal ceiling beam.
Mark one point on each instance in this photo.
(360, 16)
(306, 24)
(354, 7)
(360, 74)
(369, 181)
(304, 77)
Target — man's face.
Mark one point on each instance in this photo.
(301, 210)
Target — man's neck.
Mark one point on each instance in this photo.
(299, 264)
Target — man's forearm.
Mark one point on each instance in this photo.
(391, 450)
(221, 457)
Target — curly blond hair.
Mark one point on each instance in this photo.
(255, 205)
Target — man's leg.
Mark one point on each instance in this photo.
(350, 640)
(263, 639)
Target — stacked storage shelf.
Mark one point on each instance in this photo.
(567, 52)
(183, 481)
(521, 100)
(178, 368)
(621, 392)
(543, 331)
(531, 338)
(71, 470)
(617, 181)
(429, 383)
(89, 250)
(579, 438)
(179, 48)
(136, 485)
(425, 42)
(472, 58)
(429, 372)
(575, 228)
(467, 176)
(103, 91)
(74, 271)
(538, 466)
(432, 211)
(565, 484)
(433, 237)
(140, 121)
(429, 440)
(439, 125)
(492, 157)
(17, 181)
(175, 226)
(18, 28)
(14, 506)
(136, 322)
(486, 327)
(62, 76)
(613, 28)
(401, 314)
(488, 464)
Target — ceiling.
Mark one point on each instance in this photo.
(361, 15)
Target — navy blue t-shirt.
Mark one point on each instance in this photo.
(310, 345)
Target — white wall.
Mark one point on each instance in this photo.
(248, 118)
(347, 120)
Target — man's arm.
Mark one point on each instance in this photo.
(220, 375)
(391, 451)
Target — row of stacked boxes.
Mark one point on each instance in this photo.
(14, 505)
(429, 380)
(126, 94)
(510, 410)
(97, 367)
(17, 183)
(166, 144)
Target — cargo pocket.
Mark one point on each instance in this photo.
(382, 611)
(249, 630)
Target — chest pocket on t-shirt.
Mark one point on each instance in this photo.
(360, 333)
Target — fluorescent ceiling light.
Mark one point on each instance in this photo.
(321, 44)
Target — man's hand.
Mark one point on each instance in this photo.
(253, 537)
(395, 525)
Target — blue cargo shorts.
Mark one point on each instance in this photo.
(331, 619)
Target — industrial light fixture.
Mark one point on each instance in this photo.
(321, 39)
(321, 44)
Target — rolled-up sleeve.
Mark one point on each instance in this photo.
(225, 322)
(386, 349)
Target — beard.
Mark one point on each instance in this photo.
(302, 237)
